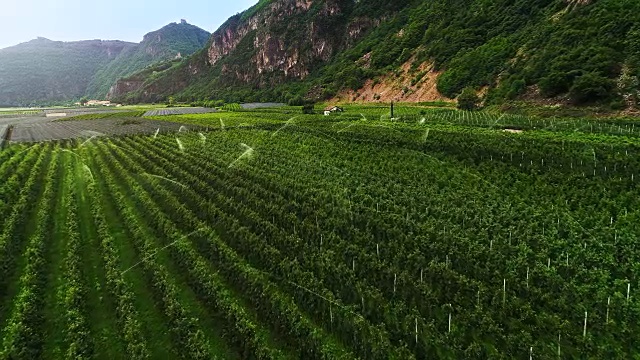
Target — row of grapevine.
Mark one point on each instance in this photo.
(12, 235)
(127, 314)
(184, 327)
(23, 332)
(72, 294)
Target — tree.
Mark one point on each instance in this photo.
(307, 109)
(468, 99)
(296, 101)
(590, 87)
(84, 101)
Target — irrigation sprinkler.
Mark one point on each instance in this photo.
(608, 304)
(247, 153)
(166, 179)
(378, 249)
(504, 291)
(450, 317)
(180, 145)
(157, 251)
(395, 282)
(628, 291)
(88, 172)
(584, 331)
(527, 277)
(416, 330)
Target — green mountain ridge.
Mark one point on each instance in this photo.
(42, 71)
(173, 40)
(578, 52)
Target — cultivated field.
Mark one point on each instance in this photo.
(87, 128)
(277, 235)
(179, 111)
(255, 106)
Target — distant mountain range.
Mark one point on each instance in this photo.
(42, 71)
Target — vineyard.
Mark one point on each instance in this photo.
(268, 235)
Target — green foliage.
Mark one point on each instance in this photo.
(468, 99)
(296, 101)
(308, 109)
(590, 87)
(476, 68)
(232, 107)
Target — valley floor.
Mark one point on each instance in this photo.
(267, 233)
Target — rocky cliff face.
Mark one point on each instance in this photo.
(124, 86)
(283, 40)
(275, 42)
(285, 50)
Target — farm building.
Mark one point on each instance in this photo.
(332, 109)
(99, 102)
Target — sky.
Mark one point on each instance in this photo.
(128, 20)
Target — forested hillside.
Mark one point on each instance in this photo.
(564, 50)
(42, 70)
(171, 42)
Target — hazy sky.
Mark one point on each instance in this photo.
(129, 20)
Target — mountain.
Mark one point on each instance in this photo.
(45, 71)
(173, 41)
(572, 51)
